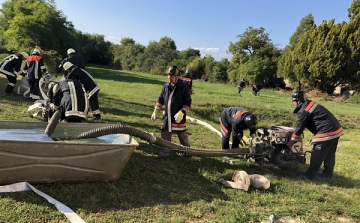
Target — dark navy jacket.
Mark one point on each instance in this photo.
(318, 120)
(174, 98)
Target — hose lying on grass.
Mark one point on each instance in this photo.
(152, 139)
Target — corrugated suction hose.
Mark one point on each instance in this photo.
(152, 139)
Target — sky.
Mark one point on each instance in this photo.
(207, 25)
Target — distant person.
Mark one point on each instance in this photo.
(34, 67)
(241, 85)
(90, 86)
(175, 96)
(233, 121)
(188, 80)
(326, 129)
(69, 96)
(256, 89)
(9, 65)
(73, 58)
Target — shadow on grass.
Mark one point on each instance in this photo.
(121, 76)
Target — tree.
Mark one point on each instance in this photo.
(127, 53)
(219, 72)
(157, 56)
(321, 57)
(354, 9)
(26, 24)
(254, 57)
(306, 24)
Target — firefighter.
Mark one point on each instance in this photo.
(69, 96)
(34, 68)
(9, 66)
(73, 58)
(256, 89)
(326, 129)
(187, 80)
(90, 86)
(175, 96)
(241, 85)
(233, 121)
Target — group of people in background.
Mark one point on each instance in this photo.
(255, 88)
(74, 94)
(175, 97)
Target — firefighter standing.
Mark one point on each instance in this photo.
(73, 58)
(34, 68)
(175, 96)
(241, 85)
(188, 80)
(90, 86)
(326, 129)
(234, 120)
(69, 96)
(9, 66)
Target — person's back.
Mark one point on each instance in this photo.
(71, 97)
(187, 80)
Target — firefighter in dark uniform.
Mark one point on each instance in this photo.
(9, 66)
(69, 96)
(256, 89)
(34, 68)
(73, 58)
(90, 86)
(241, 85)
(326, 129)
(188, 80)
(234, 120)
(175, 96)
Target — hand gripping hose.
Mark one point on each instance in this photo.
(152, 139)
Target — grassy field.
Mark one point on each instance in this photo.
(182, 189)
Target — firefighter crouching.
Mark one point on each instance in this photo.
(9, 66)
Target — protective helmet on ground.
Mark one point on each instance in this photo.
(173, 70)
(36, 51)
(250, 120)
(24, 54)
(298, 96)
(70, 51)
(187, 72)
(67, 65)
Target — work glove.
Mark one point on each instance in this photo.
(154, 114)
(179, 116)
(54, 107)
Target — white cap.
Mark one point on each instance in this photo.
(25, 55)
(67, 65)
(70, 51)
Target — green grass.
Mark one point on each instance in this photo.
(186, 189)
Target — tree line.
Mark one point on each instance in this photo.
(322, 57)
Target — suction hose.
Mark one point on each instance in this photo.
(50, 128)
(152, 139)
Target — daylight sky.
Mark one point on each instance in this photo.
(207, 25)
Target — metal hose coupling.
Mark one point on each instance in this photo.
(152, 138)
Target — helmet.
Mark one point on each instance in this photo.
(70, 51)
(298, 96)
(250, 120)
(51, 85)
(187, 72)
(67, 65)
(173, 70)
(24, 54)
(36, 51)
